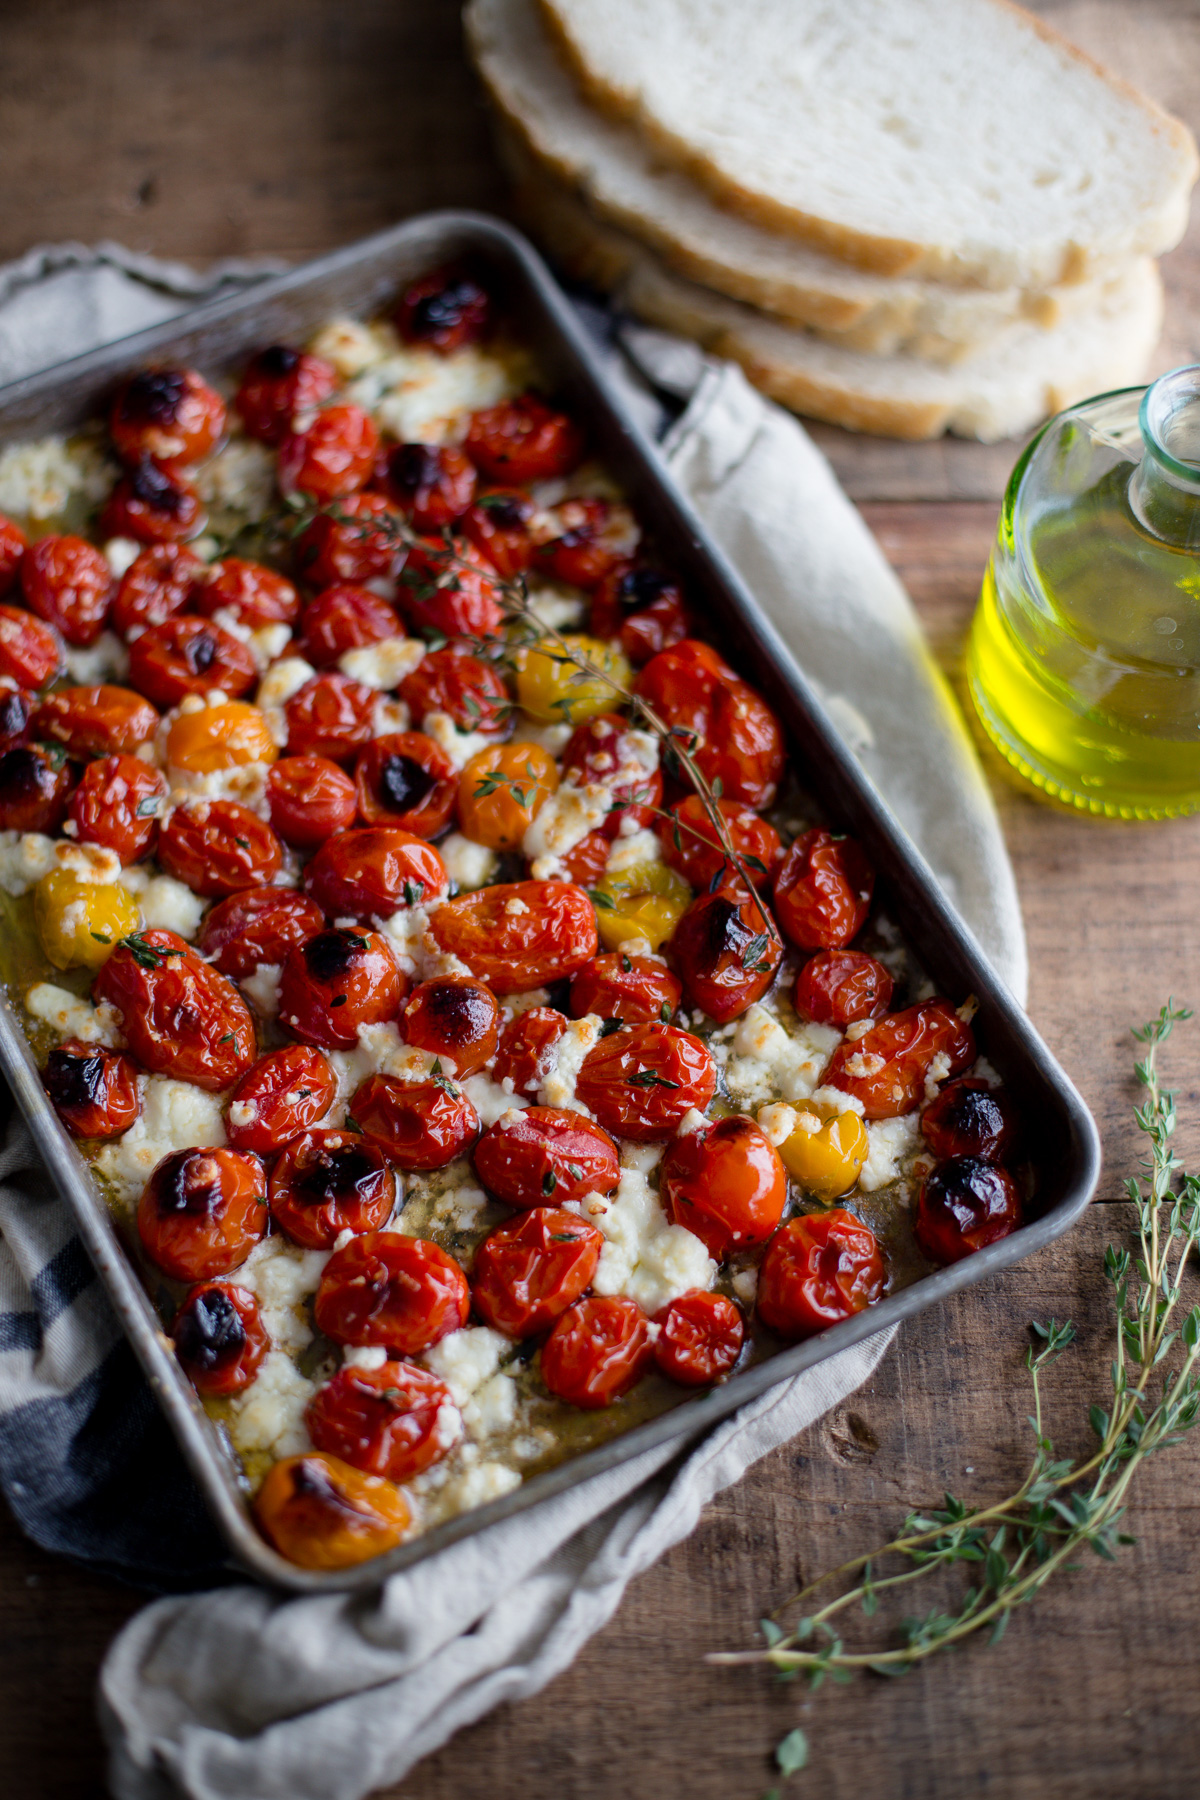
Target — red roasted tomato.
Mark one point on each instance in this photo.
(94, 1091)
(823, 891)
(420, 1124)
(180, 1017)
(450, 590)
(257, 925)
(118, 803)
(67, 582)
(327, 1182)
(220, 1338)
(539, 1154)
(35, 786)
(186, 655)
(580, 556)
(818, 1270)
(455, 1017)
(171, 415)
(627, 593)
(596, 750)
(969, 1118)
(597, 1351)
(152, 505)
(887, 1067)
(345, 617)
(735, 737)
(311, 800)
(444, 310)
(395, 1420)
(376, 871)
(432, 484)
(278, 384)
(640, 1082)
(498, 525)
(587, 861)
(526, 1050)
(320, 1513)
(16, 716)
(335, 982)
(282, 1095)
(330, 716)
(965, 1204)
(727, 952)
(523, 440)
(842, 987)
(636, 989)
(96, 721)
(386, 1288)
(202, 1212)
(700, 1338)
(29, 650)
(330, 458)
(254, 594)
(155, 586)
(726, 1184)
(406, 780)
(528, 1272)
(217, 847)
(452, 681)
(13, 545)
(519, 935)
(354, 541)
(690, 843)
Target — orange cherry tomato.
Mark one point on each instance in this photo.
(965, 1204)
(330, 458)
(327, 1182)
(330, 716)
(886, 1068)
(842, 987)
(171, 415)
(374, 872)
(13, 545)
(217, 847)
(455, 1017)
(634, 988)
(597, 1351)
(587, 862)
(726, 1184)
(336, 981)
(119, 802)
(444, 310)
(733, 736)
(152, 505)
(819, 1269)
(67, 582)
(311, 800)
(29, 650)
(641, 1081)
(278, 384)
(450, 589)
(727, 952)
(527, 1048)
(345, 617)
(155, 586)
(225, 735)
(96, 721)
(35, 786)
(498, 525)
(580, 557)
(202, 1212)
(255, 594)
(420, 1124)
(220, 1338)
(523, 440)
(180, 1017)
(700, 1338)
(969, 1118)
(257, 925)
(186, 655)
(690, 843)
(519, 935)
(432, 484)
(540, 1154)
(395, 1420)
(528, 1272)
(595, 756)
(823, 891)
(502, 790)
(404, 779)
(355, 540)
(386, 1288)
(322, 1514)
(281, 1096)
(94, 1091)
(455, 682)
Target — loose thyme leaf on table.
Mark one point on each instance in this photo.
(1062, 1507)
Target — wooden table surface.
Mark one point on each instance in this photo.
(227, 128)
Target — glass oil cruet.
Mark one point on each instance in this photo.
(1084, 656)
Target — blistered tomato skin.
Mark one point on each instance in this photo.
(13, 545)
(726, 1184)
(153, 506)
(964, 1205)
(527, 1273)
(518, 935)
(225, 735)
(277, 384)
(94, 1091)
(375, 871)
(345, 617)
(386, 1288)
(180, 1016)
(970, 1119)
(220, 1338)
(96, 721)
(640, 1082)
(886, 1068)
(35, 787)
(257, 925)
(432, 484)
(455, 682)
(171, 415)
(281, 1096)
(502, 790)
(527, 1046)
(636, 989)
(255, 594)
(690, 843)
(333, 457)
(842, 987)
(597, 1351)
(187, 655)
(202, 1212)
(354, 541)
(625, 594)
(155, 586)
(727, 952)
(330, 716)
(310, 800)
(327, 1182)
(29, 650)
(523, 440)
(335, 982)
(586, 863)
(67, 582)
(320, 1513)
(404, 779)
(419, 1124)
(819, 1269)
(538, 1155)
(453, 1016)
(736, 739)
(699, 1340)
(217, 847)
(450, 590)
(580, 557)
(118, 803)
(444, 310)
(823, 891)
(16, 717)
(394, 1421)
(594, 753)
(498, 525)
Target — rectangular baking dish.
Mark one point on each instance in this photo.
(361, 279)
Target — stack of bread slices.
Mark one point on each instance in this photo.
(903, 216)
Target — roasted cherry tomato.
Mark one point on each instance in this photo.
(726, 1184)
(655, 627)
(386, 1288)
(67, 582)
(526, 1051)
(597, 1351)
(375, 872)
(96, 721)
(604, 752)
(281, 1096)
(502, 790)
(634, 988)
(180, 1017)
(498, 525)
(555, 690)
(452, 681)
(16, 716)
(152, 505)
(395, 1420)
(455, 1017)
(356, 540)
(335, 982)
(888, 1066)
(94, 1091)
(327, 1182)
(222, 735)
(626, 591)
(965, 1204)
(699, 1338)
(406, 780)
(170, 414)
(528, 1272)
(330, 458)
(823, 891)
(432, 484)
(518, 935)
(345, 617)
(584, 554)
(539, 1154)
(202, 1212)
(732, 734)
(29, 650)
(690, 843)
(217, 847)
(826, 1150)
(450, 589)
(842, 987)
(727, 952)
(220, 1338)
(330, 716)
(311, 800)
(13, 545)
(257, 925)
(35, 786)
(819, 1269)
(969, 1118)
(254, 594)
(523, 440)
(118, 802)
(585, 863)
(444, 310)
(189, 656)
(322, 1514)
(155, 586)
(78, 922)
(640, 1082)
(278, 384)
(420, 1124)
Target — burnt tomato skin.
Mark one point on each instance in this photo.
(218, 847)
(385, 1288)
(35, 787)
(16, 716)
(842, 987)
(96, 721)
(94, 1091)
(258, 925)
(498, 526)
(420, 1124)
(220, 1338)
(118, 803)
(202, 1212)
(698, 854)
(169, 414)
(519, 935)
(444, 310)
(310, 800)
(965, 1204)
(29, 651)
(156, 585)
(528, 1272)
(255, 594)
(393, 1421)
(187, 655)
(345, 617)
(179, 1016)
(278, 383)
(455, 682)
(374, 872)
(527, 1047)
(282, 1095)
(727, 952)
(580, 556)
(335, 982)
(322, 1514)
(640, 1082)
(823, 891)
(456, 1017)
(819, 1269)
(433, 484)
(327, 1182)
(969, 1118)
(354, 541)
(597, 1351)
(332, 457)
(735, 738)
(153, 506)
(725, 1182)
(330, 716)
(538, 1154)
(67, 582)
(700, 1338)
(896, 1056)
(523, 440)
(406, 780)
(636, 989)
(592, 757)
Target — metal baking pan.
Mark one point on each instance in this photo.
(361, 279)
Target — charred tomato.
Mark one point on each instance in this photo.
(336, 981)
(386, 1288)
(94, 1091)
(220, 1338)
(202, 1212)
(327, 1182)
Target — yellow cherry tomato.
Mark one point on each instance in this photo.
(501, 792)
(80, 923)
(220, 737)
(827, 1149)
(645, 901)
(552, 687)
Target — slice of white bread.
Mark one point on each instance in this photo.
(958, 139)
(617, 178)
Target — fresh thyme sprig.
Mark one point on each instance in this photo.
(1014, 1546)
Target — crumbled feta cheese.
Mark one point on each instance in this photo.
(492, 1407)
(239, 478)
(465, 1359)
(552, 738)
(565, 1059)
(72, 1017)
(25, 856)
(165, 903)
(745, 1285)
(478, 1484)
(460, 746)
(836, 1097)
(564, 820)
(120, 553)
(421, 397)
(936, 1073)
(628, 852)
(462, 1206)
(644, 1256)
(107, 660)
(38, 480)
(468, 864)
(262, 988)
(350, 346)
(383, 665)
(269, 1414)
(890, 1140)
(364, 1356)
(982, 1070)
(175, 1115)
(490, 1099)
(769, 1060)
(281, 1276)
(281, 681)
(692, 1121)
(245, 782)
(777, 1122)
(415, 948)
(552, 607)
